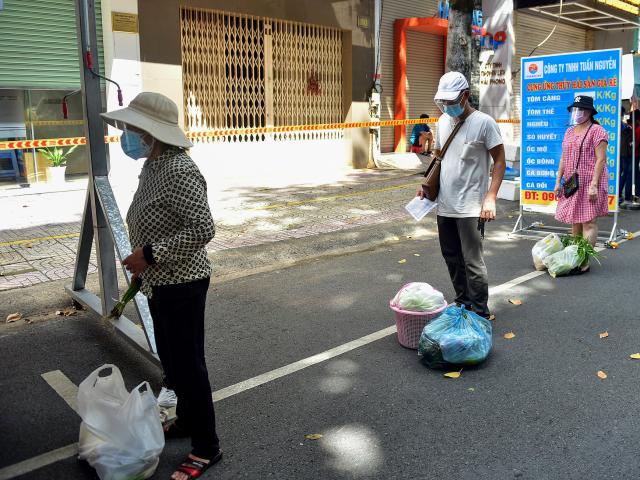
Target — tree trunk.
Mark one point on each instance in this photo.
(460, 44)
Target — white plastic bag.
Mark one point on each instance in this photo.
(419, 297)
(542, 249)
(120, 435)
(561, 263)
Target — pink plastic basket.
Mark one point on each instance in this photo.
(410, 324)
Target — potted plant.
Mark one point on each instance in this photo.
(57, 157)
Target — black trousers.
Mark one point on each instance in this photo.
(461, 246)
(178, 322)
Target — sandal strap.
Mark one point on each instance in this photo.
(193, 468)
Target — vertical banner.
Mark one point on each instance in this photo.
(549, 85)
(497, 47)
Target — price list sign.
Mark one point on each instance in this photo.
(549, 85)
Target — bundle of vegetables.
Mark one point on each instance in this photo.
(585, 250)
(561, 263)
(419, 297)
(126, 298)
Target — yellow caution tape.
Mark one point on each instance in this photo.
(219, 132)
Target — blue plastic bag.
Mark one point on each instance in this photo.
(458, 336)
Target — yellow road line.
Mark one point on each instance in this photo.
(39, 239)
(333, 197)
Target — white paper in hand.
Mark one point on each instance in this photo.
(418, 207)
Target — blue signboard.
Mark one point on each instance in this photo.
(549, 85)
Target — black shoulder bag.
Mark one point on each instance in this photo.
(571, 186)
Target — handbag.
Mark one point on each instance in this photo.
(571, 186)
(431, 182)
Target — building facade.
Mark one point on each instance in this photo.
(583, 25)
(38, 68)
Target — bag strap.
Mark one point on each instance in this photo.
(443, 150)
(582, 143)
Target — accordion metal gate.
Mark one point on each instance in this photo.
(246, 71)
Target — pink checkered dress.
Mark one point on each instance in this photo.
(578, 208)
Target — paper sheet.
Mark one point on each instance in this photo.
(418, 207)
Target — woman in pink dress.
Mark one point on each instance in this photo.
(584, 149)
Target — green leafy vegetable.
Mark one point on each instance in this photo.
(585, 250)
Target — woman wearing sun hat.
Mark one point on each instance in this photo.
(584, 150)
(170, 224)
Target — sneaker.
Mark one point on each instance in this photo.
(167, 398)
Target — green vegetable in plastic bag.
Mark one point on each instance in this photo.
(419, 297)
(561, 263)
(549, 245)
(585, 249)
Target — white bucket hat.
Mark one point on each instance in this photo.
(155, 114)
(450, 86)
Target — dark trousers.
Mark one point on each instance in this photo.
(626, 179)
(461, 246)
(178, 322)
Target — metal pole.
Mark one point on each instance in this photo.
(98, 165)
(633, 155)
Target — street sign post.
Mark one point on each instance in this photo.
(549, 85)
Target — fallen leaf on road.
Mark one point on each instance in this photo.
(67, 312)
(404, 260)
(14, 317)
(635, 356)
(313, 436)
(509, 335)
(515, 301)
(416, 254)
(604, 334)
(453, 374)
(601, 374)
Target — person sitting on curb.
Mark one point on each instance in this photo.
(421, 135)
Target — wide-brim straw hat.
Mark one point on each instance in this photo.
(155, 114)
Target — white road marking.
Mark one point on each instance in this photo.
(300, 364)
(64, 385)
(40, 461)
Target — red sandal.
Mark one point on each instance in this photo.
(194, 468)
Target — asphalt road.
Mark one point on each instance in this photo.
(535, 410)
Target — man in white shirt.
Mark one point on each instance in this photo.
(466, 200)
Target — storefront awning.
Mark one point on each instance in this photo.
(594, 14)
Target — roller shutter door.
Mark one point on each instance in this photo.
(390, 12)
(38, 46)
(425, 66)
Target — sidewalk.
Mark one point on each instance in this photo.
(43, 250)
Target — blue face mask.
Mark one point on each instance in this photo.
(134, 146)
(453, 110)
